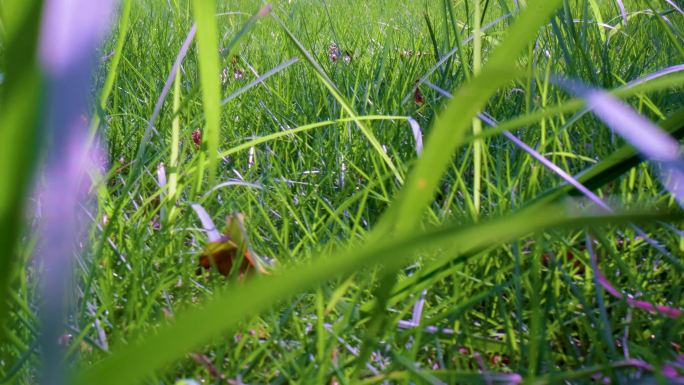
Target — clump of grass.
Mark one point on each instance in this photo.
(469, 260)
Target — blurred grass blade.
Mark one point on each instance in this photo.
(19, 129)
(675, 6)
(209, 68)
(417, 135)
(223, 312)
(655, 144)
(208, 57)
(621, 6)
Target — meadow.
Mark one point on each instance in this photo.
(440, 192)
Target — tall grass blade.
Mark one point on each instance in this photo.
(207, 42)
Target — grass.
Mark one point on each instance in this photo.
(319, 155)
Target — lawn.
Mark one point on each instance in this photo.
(440, 192)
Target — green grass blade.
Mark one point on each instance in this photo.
(223, 312)
(19, 129)
(207, 41)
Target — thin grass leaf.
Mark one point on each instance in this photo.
(285, 133)
(621, 6)
(142, 147)
(19, 129)
(655, 144)
(207, 42)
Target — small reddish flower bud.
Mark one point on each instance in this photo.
(197, 137)
(418, 97)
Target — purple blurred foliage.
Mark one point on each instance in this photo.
(71, 31)
(653, 75)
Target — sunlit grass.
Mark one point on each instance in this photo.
(320, 156)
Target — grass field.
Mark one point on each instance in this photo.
(470, 259)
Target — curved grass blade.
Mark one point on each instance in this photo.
(304, 128)
(222, 313)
